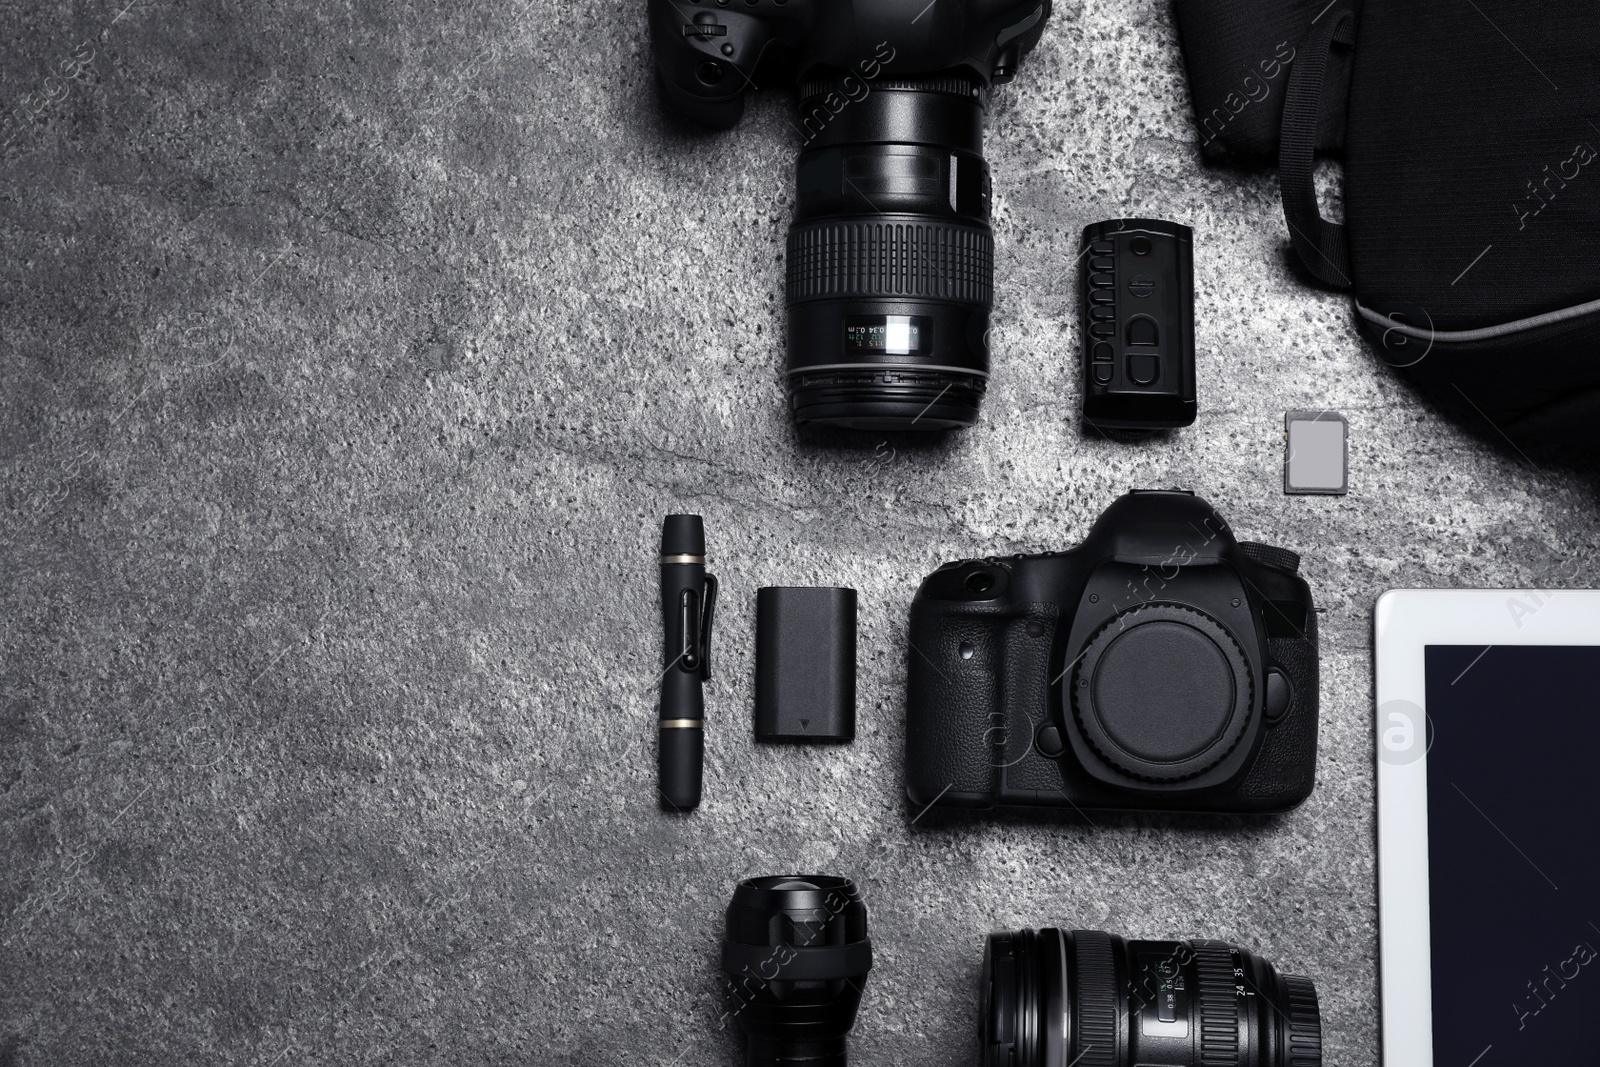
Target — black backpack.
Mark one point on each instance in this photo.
(1470, 131)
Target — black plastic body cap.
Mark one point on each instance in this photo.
(805, 664)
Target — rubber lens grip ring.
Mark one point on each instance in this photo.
(1094, 1007)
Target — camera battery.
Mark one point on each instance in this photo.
(805, 664)
(1138, 324)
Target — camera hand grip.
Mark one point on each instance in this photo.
(952, 702)
(706, 58)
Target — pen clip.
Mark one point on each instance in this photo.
(689, 629)
(706, 615)
(694, 622)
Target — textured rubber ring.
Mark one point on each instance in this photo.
(1095, 1013)
(1219, 1004)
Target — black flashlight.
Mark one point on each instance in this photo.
(688, 595)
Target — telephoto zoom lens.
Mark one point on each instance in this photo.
(890, 258)
(1054, 998)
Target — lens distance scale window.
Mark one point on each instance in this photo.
(887, 335)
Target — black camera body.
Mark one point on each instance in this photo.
(890, 258)
(1161, 665)
(710, 52)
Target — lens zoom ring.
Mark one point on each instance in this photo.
(1305, 1023)
(842, 259)
(1096, 1000)
(1219, 1005)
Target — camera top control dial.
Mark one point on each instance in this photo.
(1163, 692)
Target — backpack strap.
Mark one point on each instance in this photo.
(1320, 244)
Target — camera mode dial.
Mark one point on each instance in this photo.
(1163, 692)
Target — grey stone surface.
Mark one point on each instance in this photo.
(352, 353)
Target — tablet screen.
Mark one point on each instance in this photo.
(1514, 853)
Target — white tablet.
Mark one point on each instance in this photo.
(1489, 827)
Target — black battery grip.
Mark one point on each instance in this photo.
(1138, 325)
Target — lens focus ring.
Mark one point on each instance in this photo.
(1305, 1022)
(861, 258)
(1219, 1003)
(1098, 1018)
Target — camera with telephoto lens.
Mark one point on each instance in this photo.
(890, 255)
(1081, 998)
(1159, 665)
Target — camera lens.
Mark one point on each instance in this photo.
(796, 956)
(890, 257)
(1053, 998)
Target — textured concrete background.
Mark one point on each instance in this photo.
(353, 352)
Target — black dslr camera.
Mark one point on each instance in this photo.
(1159, 665)
(890, 258)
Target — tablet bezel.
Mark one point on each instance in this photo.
(1406, 621)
